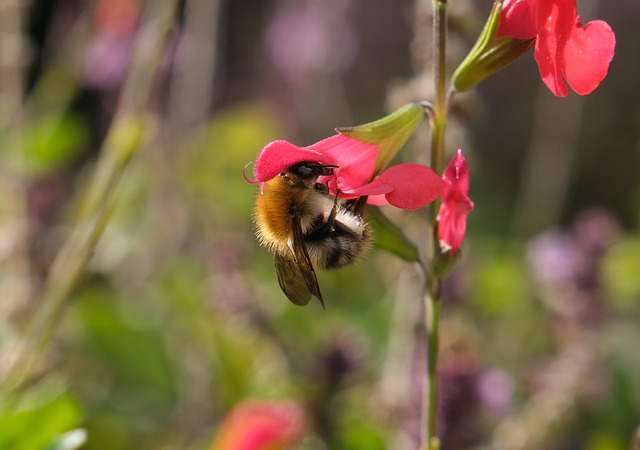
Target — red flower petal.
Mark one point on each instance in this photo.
(587, 53)
(377, 200)
(277, 156)
(407, 186)
(457, 173)
(518, 19)
(567, 53)
(452, 217)
(556, 17)
(376, 187)
(356, 159)
(415, 185)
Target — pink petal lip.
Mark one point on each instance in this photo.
(277, 156)
(586, 55)
(406, 186)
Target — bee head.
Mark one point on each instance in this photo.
(307, 172)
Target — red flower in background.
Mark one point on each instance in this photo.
(407, 186)
(261, 426)
(452, 218)
(566, 51)
(117, 17)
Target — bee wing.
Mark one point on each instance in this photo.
(295, 272)
(299, 284)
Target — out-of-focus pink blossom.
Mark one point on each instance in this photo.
(496, 389)
(274, 425)
(106, 61)
(301, 40)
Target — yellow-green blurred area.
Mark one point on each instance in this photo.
(178, 315)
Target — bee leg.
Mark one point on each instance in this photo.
(356, 205)
(321, 227)
(334, 212)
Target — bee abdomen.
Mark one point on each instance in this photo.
(337, 247)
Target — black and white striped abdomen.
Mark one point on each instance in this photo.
(338, 245)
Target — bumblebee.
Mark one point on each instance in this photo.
(304, 226)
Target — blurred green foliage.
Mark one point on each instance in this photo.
(42, 414)
(53, 142)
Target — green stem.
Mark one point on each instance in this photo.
(440, 107)
(432, 363)
(432, 302)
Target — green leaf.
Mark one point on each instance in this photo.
(391, 238)
(42, 414)
(53, 142)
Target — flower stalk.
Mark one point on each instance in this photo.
(431, 296)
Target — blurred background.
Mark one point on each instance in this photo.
(178, 316)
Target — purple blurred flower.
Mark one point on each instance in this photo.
(553, 257)
(495, 388)
(106, 61)
(459, 401)
(108, 55)
(301, 40)
(566, 266)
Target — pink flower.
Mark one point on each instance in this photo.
(407, 186)
(261, 426)
(452, 218)
(565, 50)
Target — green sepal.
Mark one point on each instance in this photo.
(489, 54)
(391, 238)
(390, 133)
(444, 262)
